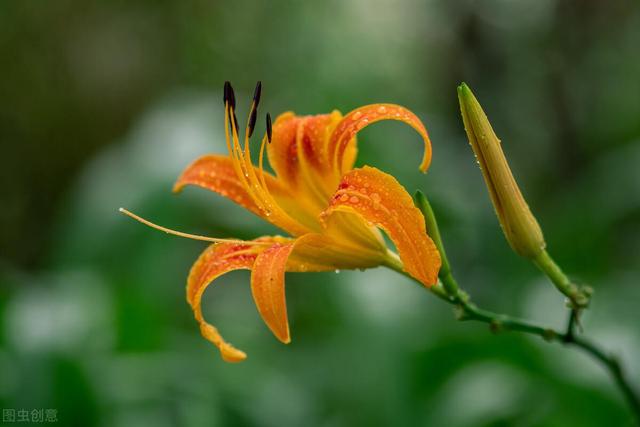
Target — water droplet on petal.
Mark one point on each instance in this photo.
(354, 199)
(344, 198)
(356, 115)
(382, 109)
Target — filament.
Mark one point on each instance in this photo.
(187, 235)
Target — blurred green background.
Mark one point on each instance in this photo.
(103, 103)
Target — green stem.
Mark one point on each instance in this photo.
(579, 297)
(448, 290)
(502, 322)
(614, 368)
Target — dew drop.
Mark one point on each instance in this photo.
(344, 198)
(354, 199)
(357, 115)
(337, 271)
(382, 109)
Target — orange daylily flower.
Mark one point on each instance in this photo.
(331, 211)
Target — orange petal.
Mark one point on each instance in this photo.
(299, 156)
(267, 287)
(381, 200)
(341, 140)
(215, 261)
(283, 150)
(327, 252)
(217, 173)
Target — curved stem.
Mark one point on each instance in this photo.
(614, 367)
(499, 322)
(447, 289)
(579, 297)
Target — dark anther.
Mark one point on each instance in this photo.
(229, 96)
(252, 120)
(269, 128)
(254, 110)
(256, 93)
(225, 97)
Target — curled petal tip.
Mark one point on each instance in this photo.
(232, 354)
(283, 334)
(228, 352)
(358, 119)
(267, 287)
(426, 162)
(387, 205)
(280, 328)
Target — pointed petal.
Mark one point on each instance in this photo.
(381, 200)
(332, 251)
(299, 156)
(267, 287)
(217, 173)
(298, 139)
(215, 261)
(343, 137)
(283, 149)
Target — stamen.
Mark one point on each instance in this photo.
(229, 94)
(187, 235)
(252, 120)
(261, 163)
(254, 109)
(235, 120)
(225, 96)
(269, 128)
(256, 93)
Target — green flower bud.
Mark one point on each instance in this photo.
(518, 223)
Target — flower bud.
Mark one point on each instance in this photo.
(518, 223)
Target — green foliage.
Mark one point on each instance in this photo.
(105, 102)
